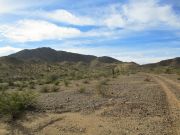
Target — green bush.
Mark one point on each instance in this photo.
(31, 85)
(104, 81)
(66, 83)
(56, 83)
(15, 103)
(82, 90)
(52, 78)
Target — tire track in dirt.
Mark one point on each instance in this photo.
(170, 82)
(174, 103)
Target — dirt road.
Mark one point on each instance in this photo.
(174, 103)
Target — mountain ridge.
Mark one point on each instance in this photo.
(46, 54)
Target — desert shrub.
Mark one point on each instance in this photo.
(77, 84)
(85, 81)
(15, 103)
(51, 78)
(3, 88)
(81, 90)
(104, 81)
(167, 71)
(54, 89)
(44, 89)
(147, 79)
(100, 89)
(20, 85)
(66, 83)
(1, 80)
(31, 85)
(11, 83)
(56, 83)
(178, 78)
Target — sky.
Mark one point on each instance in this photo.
(143, 31)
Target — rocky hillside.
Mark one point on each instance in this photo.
(170, 62)
(51, 55)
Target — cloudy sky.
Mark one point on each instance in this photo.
(143, 31)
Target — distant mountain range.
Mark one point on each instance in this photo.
(175, 62)
(50, 55)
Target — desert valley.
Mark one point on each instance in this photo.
(49, 92)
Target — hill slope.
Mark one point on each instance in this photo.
(170, 62)
(51, 55)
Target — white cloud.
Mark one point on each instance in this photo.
(4, 51)
(133, 15)
(67, 17)
(37, 30)
(142, 14)
(14, 6)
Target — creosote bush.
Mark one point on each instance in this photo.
(52, 78)
(100, 89)
(81, 90)
(85, 81)
(147, 79)
(13, 104)
(66, 83)
(44, 89)
(54, 89)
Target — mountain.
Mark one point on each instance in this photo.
(170, 62)
(10, 60)
(50, 55)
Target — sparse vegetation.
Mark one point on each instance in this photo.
(104, 81)
(85, 81)
(44, 89)
(66, 83)
(54, 89)
(52, 78)
(15, 103)
(85, 87)
(82, 90)
(147, 79)
(100, 88)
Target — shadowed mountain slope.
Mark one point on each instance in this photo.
(51, 55)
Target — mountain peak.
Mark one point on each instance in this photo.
(46, 54)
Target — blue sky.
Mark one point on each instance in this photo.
(143, 31)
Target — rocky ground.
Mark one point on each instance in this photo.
(139, 104)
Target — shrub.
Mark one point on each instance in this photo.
(15, 103)
(147, 79)
(81, 90)
(54, 89)
(3, 88)
(86, 81)
(1, 80)
(31, 85)
(104, 82)
(100, 89)
(56, 83)
(178, 78)
(52, 78)
(66, 83)
(11, 83)
(44, 89)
